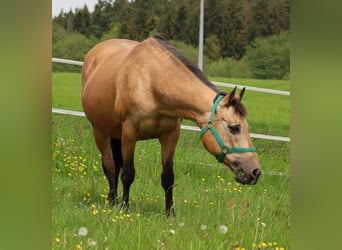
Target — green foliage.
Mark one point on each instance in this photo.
(228, 67)
(112, 33)
(74, 46)
(269, 57)
(187, 50)
(82, 21)
(102, 18)
(269, 17)
(58, 33)
(212, 47)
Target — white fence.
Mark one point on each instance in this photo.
(230, 85)
(185, 127)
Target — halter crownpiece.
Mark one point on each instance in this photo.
(210, 126)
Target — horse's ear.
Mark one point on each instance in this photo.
(242, 92)
(231, 96)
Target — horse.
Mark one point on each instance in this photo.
(143, 90)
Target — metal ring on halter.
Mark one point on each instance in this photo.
(210, 124)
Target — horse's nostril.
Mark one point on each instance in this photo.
(256, 172)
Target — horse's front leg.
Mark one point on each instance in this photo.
(128, 142)
(168, 144)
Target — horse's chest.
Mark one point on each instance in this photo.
(154, 127)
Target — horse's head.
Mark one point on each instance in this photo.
(227, 137)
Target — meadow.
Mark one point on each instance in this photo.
(213, 211)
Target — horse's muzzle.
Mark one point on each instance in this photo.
(250, 179)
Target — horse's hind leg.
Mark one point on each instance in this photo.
(128, 172)
(168, 145)
(103, 143)
(117, 155)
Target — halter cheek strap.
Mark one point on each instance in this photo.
(210, 126)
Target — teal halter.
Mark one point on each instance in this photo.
(210, 125)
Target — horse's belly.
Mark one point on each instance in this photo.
(154, 128)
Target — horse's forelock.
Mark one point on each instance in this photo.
(238, 106)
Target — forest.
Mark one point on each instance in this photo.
(242, 38)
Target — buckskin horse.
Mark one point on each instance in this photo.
(141, 90)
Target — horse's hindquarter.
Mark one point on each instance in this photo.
(100, 71)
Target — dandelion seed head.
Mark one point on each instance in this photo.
(223, 229)
(92, 243)
(82, 231)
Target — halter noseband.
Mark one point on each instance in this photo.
(210, 126)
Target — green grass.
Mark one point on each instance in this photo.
(206, 195)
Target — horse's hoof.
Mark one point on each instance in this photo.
(125, 207)
(112, 201)
(170, 212)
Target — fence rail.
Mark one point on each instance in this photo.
(185, 127)
(222, 84)
(192, 128)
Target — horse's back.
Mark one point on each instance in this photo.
(100, 68)
(102, 55)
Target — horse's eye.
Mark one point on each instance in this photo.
(235, 129)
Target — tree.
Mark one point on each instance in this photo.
(236, 35)
(74, 46)
(102, 17)
(60, 19)
(69, 21)
(58, 32)
(114, 32)
(224, 18)
(212, 47)
(270, 57)
(270, 17)
(82, 21)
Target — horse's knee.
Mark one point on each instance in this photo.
(109, 172)
(127, 177)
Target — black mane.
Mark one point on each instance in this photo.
(194, 69)
(238, 107)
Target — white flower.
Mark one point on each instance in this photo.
(181, 224)
(223, 229)
(82, 231)
(263, 224)
(172, 231)
(92, 243)
(203, 227)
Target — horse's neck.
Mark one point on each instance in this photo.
(187, 98)
(179, 92)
